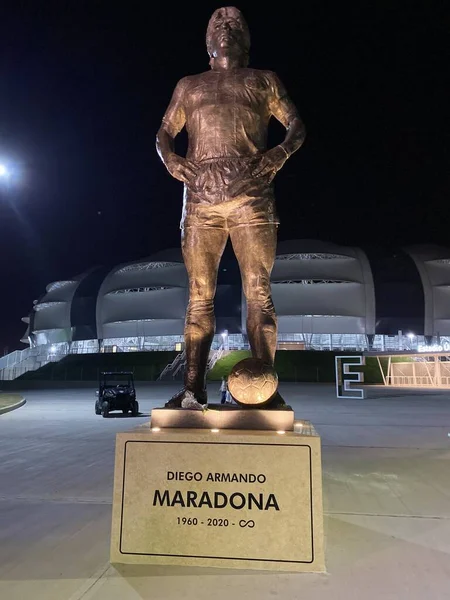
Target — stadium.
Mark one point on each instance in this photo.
(327, 297)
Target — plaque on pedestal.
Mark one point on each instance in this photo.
(246, 499)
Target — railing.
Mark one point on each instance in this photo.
(215, 356)
(418, 381)
(19, 362)
(174, 367)
(11, 373)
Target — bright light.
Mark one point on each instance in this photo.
(156, 428)
(52, 349)
(411, 336)
(281, 432)
(215, 430)
(224, 334)
(3, 171)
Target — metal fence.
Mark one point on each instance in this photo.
(434, 372)
(21, 361)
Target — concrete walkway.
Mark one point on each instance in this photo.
(386, 464)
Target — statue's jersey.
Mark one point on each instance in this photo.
(226, 114)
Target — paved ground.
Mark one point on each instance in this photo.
(386, 464)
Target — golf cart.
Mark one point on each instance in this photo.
(116, 392)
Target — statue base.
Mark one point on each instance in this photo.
(224, 416)
(233, 498)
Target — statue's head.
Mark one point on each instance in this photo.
(228, 32)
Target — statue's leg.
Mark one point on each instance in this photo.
(202, 250)
(255, 248)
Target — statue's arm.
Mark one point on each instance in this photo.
(172, 123)
(285, 111)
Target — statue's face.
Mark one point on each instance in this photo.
(227, 30)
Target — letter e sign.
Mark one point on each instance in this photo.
(345, 377)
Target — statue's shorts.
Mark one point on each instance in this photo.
(226, 195)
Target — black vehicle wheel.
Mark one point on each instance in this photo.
(135, 409)
(98, 410)
(105, 409)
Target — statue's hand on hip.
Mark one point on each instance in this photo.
(182, 169)
(270, 163)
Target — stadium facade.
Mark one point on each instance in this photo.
(326, 297)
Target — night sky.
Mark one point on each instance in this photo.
(83, 87)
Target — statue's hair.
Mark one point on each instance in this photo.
(218, 15)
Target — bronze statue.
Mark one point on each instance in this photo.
(228, 191)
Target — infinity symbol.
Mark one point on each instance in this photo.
(250, 524)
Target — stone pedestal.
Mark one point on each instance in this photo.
(223, 416)
(244, 499)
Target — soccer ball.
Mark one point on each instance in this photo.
(252, 382)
